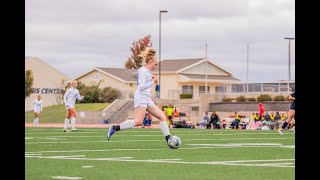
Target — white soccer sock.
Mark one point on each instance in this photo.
(127, 124)
(35, 121)
(164, 128)
(66, 123)
(73, 123)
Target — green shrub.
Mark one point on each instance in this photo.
(264, 97)
(185, 96)
(226, 100)
(279, 98)
(241, 99)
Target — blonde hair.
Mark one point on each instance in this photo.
(147, 55)
(73, 80)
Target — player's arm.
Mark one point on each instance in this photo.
(291, 98)
(142, 81)
(79, 97)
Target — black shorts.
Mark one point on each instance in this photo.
(293, 106)
(170, 117)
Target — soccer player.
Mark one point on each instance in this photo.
(142, 97)
(37, 109)
(291, 113)
(69, 98)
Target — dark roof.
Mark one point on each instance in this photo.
(122, 73)
(177, 64)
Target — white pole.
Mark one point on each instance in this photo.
(247, 67)
(206, 70)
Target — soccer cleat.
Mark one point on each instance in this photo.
(280, 131)
(74, 130)
(65, 130)
(110, 132)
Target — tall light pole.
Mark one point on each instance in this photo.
(206, 68)
(289, 38)
(161, 11)
(247, 67)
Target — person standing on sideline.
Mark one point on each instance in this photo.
(261, 111)
(170, 113)
(291, 113)
(158, 91)
(69, 98)
(37, 109)
(142, 97)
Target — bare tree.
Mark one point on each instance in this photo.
(135, 61)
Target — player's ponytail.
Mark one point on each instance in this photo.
(147, 55)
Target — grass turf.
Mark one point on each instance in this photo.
(142, 154)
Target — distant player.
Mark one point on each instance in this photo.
(69, 98)
(142, 97)
(291, 113)
(37, 109)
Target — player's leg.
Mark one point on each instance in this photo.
(139, 113)
(156, 112)
(171, 121)
(35, 119)
(66, 121)
(290, 116)
(73, 114)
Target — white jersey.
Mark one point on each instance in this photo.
(144, 81)
(37, 105)
(70, 97)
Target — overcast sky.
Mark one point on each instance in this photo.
(75, 36)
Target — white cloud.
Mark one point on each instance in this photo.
(77, 35)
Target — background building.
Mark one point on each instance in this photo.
(47, 82)
(177, 76)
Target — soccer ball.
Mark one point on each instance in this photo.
(174, 142)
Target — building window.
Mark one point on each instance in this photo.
(238, 88)
(194, 108)
(202, 89)
(187, 89)
(220, 89)
(254, 87)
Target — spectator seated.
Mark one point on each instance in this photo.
(227, 122)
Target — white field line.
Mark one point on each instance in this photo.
(66, 177)
(239, 144)
(145, 140)
(173, 132)
(87, 166)
(288, 146)
(60, 132)
(204, 146)
(32, 154)
(235, 163)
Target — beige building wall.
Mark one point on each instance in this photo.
(107, 81)
(168, 82)
(47, 82)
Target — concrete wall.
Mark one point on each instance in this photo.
(250, 106)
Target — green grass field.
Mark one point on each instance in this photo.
(142, 154)
(57, 113)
